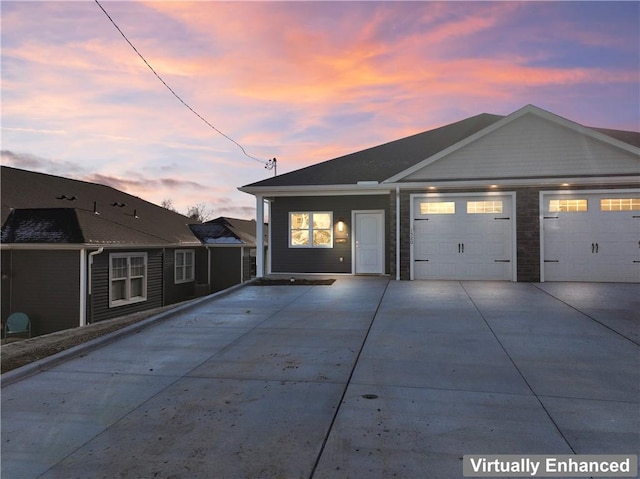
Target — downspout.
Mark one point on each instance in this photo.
(397, 233)
(241, 264)
(83, 289)
(208, 269)
(89, 282)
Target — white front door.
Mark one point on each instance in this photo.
(368, 242)
(591, 236)
(463, 237)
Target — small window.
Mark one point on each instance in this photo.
(474, 207)
(127, 278)
(438, 208)
(184, 261)
(310, 230)
(567, 206)
(620, 204)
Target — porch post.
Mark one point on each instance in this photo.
(397, 233)
(259, 236)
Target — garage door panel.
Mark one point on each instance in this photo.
(596, 244)
(459, 244)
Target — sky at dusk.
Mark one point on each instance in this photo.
(300, 81)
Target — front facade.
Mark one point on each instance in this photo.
(527, 197)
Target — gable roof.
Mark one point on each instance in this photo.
(395, 160)
(381, 162)
(529, 111)
(225, 230)
(42, 208)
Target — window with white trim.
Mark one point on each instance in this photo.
(489, 206)
(620, 204)
(568, 206)
(184, 266)
(311, 229)
(438, 208)
(127, 278)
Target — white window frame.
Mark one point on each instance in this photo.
(179, 270)
(311, 229)
(113, 303)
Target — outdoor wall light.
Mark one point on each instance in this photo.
(341, 225)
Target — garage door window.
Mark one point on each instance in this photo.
(620, 204)
(475, 207)
(438, 208)
(567, 206)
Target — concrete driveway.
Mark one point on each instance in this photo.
(364, 378)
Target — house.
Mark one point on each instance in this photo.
(75, 253)
(231, 245)
(530, 196)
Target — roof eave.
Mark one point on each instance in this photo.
(367, 188)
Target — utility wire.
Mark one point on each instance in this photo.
(267, 164)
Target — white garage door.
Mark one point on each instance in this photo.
(591, 236)
(462, 237)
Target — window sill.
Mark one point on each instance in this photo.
(116, 304)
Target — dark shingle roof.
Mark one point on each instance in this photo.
(122, 219)
(52, 225)
(225, 230)
(385, 161)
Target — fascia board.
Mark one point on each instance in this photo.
(318, 190)
(508, 119)
(79, 246)
(513, 182)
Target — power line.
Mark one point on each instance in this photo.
(267, 164)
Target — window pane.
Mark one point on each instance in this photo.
(321, 220)
(188, 272)
(137, 287)
(188, 259)
(299, 220)
(137, 266)
(438, 208)
(118, 268)
(566, 206)
(300, 238)
(118, 290)
(322, 237)
(179, 259)
(474, 207)
(620, 204)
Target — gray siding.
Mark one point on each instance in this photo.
(226, 266)
(99, 301)
(175, 293)
(45, 286)
(320, 260)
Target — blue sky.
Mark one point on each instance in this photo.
(301, 81)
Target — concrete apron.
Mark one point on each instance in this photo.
(363, 378)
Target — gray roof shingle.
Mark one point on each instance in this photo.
(382, 162)
(118, 218)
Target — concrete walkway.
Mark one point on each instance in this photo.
(364, 378)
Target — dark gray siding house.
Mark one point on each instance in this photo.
(231, 248)
(75, 252)
(530, 196)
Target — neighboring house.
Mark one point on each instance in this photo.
(75, 252)
(527, 197)
(231, 246)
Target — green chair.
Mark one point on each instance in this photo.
(17, 324)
